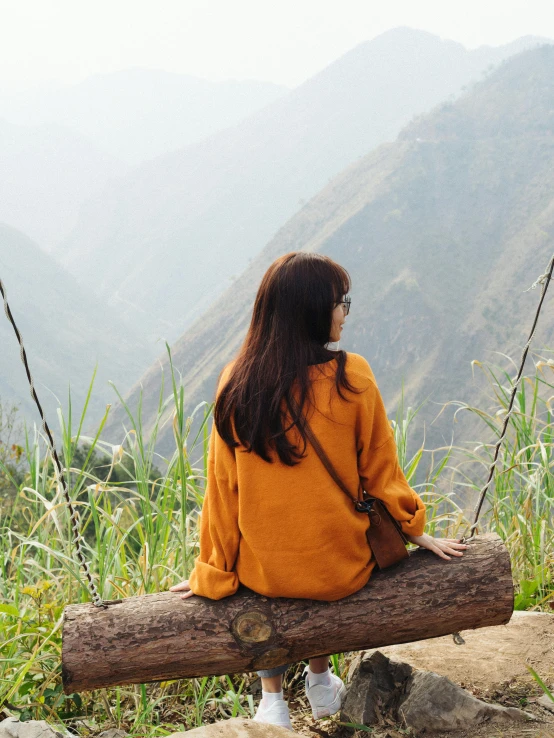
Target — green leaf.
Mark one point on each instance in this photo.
(76, 697)
(26, 687)
(10, 610)
(529, 586)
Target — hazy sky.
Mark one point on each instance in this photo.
(284, 42)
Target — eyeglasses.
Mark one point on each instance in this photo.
(345, 304)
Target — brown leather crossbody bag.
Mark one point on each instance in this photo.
(384, 535)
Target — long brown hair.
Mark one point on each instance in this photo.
(290, 327)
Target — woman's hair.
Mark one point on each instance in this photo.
(290, 327)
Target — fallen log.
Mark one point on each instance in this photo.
(159, 636)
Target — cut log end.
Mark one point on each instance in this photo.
(159, 636)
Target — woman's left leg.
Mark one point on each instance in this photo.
(273, 708)
(272, 679)
(319, 665)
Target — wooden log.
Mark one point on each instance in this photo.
(159, 636)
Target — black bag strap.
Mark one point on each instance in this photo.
(366, 504)
(324, 458)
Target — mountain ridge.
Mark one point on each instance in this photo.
(426, 228)
(46, 172)
(139, 113)
(210, 208)
(65, 332)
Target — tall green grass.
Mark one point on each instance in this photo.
(520, 502)
(139, 515)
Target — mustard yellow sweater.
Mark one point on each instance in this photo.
(291, 531)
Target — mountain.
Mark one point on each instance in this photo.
(65, 331)
(46, 173)
(441, 230)
(176, 231)
(138, 114)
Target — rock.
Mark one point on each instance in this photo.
(545, 701)
(236, 728)
(12, 727)
(376, 687)
(112, 733)
(417, 698)
(434, 702)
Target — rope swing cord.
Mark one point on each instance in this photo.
(78, 540)
(544, 279)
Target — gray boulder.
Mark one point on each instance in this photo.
(12, 727)
(434, 702)
(376, 687)
(416, 698)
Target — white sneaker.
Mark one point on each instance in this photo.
(276, 714)
(325, 700)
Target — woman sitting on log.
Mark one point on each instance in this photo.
(273, 519)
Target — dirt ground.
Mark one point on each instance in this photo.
(491, 665)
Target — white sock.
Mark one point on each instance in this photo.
(270, 697)
(324, 678)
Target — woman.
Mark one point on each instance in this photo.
(273, 519)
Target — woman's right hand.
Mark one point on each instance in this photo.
(439, 546)
(183, 587)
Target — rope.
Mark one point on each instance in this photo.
(74, 515)
(541, 280)
(544, 280)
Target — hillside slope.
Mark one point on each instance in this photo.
(176, 231)
(441, 231)
(46, 173)
(65, 331)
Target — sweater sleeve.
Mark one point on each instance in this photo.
(378, 466)
(213, 575)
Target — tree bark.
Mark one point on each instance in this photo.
(159, 636)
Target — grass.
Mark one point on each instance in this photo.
(520, 503)
(139, 514)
